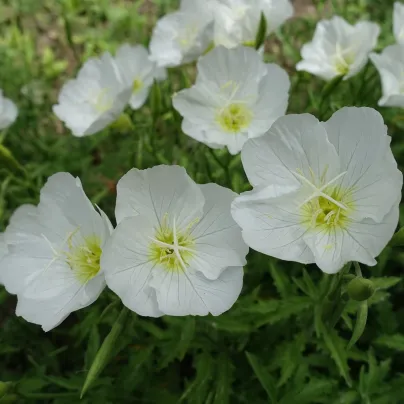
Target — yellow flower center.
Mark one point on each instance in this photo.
(329, 206)
(172, 248)
(84, 259)
(102, 101)
(137, 86)
(234, 117)
(343, 61)
(321, 211)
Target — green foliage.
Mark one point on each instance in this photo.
(285, 341)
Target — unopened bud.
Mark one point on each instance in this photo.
(4, 388)
(360, 289)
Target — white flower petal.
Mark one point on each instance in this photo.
(398, 22)
(182, 293)
(273, 99)
(49, 313)
(360, 241)
(218, 240)
(274, 226)
(360, 138)
(8, 111)
(3, 247)
(63, 198)
(23, 262)
(390, 65)
(159, 191)
(242, 66)
(294, 144)
(128, 267)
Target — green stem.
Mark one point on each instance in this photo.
(357, 269)
(223, 167)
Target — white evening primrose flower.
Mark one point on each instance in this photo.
(54, 250)
(237, 21)
(137, 72)
(176, 249)
(181, 37)
(398, 22)
(325, 193)
(338, 48)
(95, 99)
(390, 64)
(236, 97)
(8, 112)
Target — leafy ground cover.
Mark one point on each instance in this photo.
(273, 345)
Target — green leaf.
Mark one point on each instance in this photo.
(395, 341)
(336, 346)
(223, 379)
(283, 309)
(314, 389)
(282, 281)
(263, 376)
(360, 323)
(103, 355)
(9, 161)
(198, 388)
(385, 282)
(398, 239)
(262, 32)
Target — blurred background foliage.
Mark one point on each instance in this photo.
(274, 345)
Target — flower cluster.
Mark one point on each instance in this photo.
(176, 249)
(323, 192)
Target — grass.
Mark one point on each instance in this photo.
(273, 345)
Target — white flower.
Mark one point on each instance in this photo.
(8, 111)
(95, 99)
(236, 97)
(181, 37)
(176, 249)
(390, 65)
(338, 48)
(137, 71)
(398, 22)
(237, 21)
(54, 250)
(325, 193)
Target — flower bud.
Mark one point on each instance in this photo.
(4, 388)
(360, 289)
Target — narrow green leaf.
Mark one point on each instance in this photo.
(9, 161)
(204, 374)
(395, 341)
(360, 323)
(336, 346)
(262, 32)
(223, 379)
(263, 376)
(281, 280)
(385, 282)
(103, 355)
